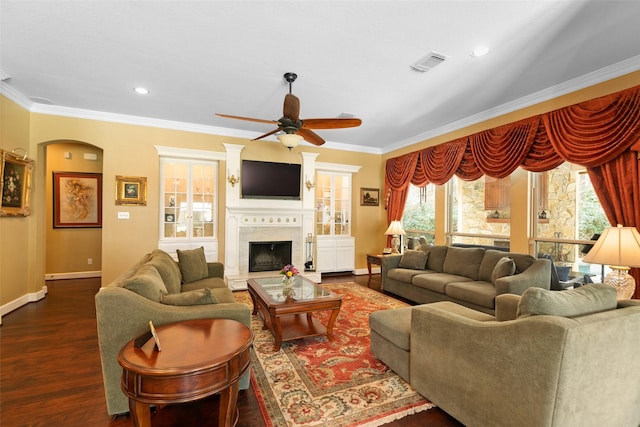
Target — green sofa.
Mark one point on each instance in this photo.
(154, 289)
(563, 359)
(467, 276)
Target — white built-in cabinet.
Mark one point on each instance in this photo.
(335, 246)
(188, 205)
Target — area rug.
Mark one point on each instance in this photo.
(317, 382)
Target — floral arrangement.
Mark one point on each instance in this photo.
(289, 270)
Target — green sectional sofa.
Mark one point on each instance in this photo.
(547, 359)
(472, 277)
(160, 290)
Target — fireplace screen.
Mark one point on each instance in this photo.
(269, 256)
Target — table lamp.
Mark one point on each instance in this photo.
(619, 248)
(395, 229)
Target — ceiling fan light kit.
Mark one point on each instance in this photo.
(294, 128)
(289, 140)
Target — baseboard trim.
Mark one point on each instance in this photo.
(23, 300)
(73, 275)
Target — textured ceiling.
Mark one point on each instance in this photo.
(199, 58)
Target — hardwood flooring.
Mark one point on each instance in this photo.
(50, 369)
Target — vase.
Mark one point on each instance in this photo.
(287, 288)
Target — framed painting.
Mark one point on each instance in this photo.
(77, 200)
(369, 196)
(131, 190)
(15, 186)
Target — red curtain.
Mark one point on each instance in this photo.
(602, 134)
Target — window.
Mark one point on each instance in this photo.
(568, 221)
(419, 215)
(478, 218)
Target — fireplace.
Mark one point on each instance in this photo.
(269, 256)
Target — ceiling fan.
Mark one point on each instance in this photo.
(295, 129)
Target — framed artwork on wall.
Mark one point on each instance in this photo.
(15, 184)
(77, 200)
(369, 196)
(131, 190)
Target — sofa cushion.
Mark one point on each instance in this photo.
(415, 260)
(404, 274)
(147, 282)
(474, 292)
(196, 297)
(489, 261)
(209, 282)
(435, 261)
(584, 300)
(436, 282)
(168, 269)
(463, 262)
(223, 295)
(505, 267)
(193, 264)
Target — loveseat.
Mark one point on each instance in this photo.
(472, 277)
(548, 358)
(160, 290)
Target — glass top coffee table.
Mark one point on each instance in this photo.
(290, 319)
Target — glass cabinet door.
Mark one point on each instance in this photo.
(188, 198)
(333, 204)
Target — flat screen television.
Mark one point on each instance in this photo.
(270, 180)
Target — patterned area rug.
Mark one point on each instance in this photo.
(316, 382)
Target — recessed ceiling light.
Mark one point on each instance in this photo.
(141, 91)
(479, 51)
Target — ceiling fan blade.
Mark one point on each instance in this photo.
(336, 123)
(248, 119)
(310, 136)
(266, 134)
(291, 107)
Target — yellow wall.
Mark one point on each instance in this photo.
(129, 150)
(18, 261)
(69, 249)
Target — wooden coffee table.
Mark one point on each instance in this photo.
(198, 358)
(289, 320)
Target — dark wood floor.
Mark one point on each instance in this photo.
(50, 368)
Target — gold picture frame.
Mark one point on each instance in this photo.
(77, 200)
(131, 190)
(15, 184)
(369, 196)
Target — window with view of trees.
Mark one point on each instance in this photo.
(420, 212)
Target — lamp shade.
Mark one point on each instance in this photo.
(395, 228)
(289, 140)
(617, 246)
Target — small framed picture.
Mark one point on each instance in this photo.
(131, 190)
(169, 218)
(369, 196)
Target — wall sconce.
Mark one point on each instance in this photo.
(309, 185)
(233, 180)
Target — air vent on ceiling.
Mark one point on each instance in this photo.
(429, 61)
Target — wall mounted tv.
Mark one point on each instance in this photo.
(270, 180)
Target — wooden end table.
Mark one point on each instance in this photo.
(373, 260)
(198, 358)
(286, 318)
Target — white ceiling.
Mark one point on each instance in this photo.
(197, 58)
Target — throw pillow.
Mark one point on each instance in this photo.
(414, 260)
(168, 269)
(505, 267)
(196, 297)
(584, 300)
(147, 282)
(193, 265)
